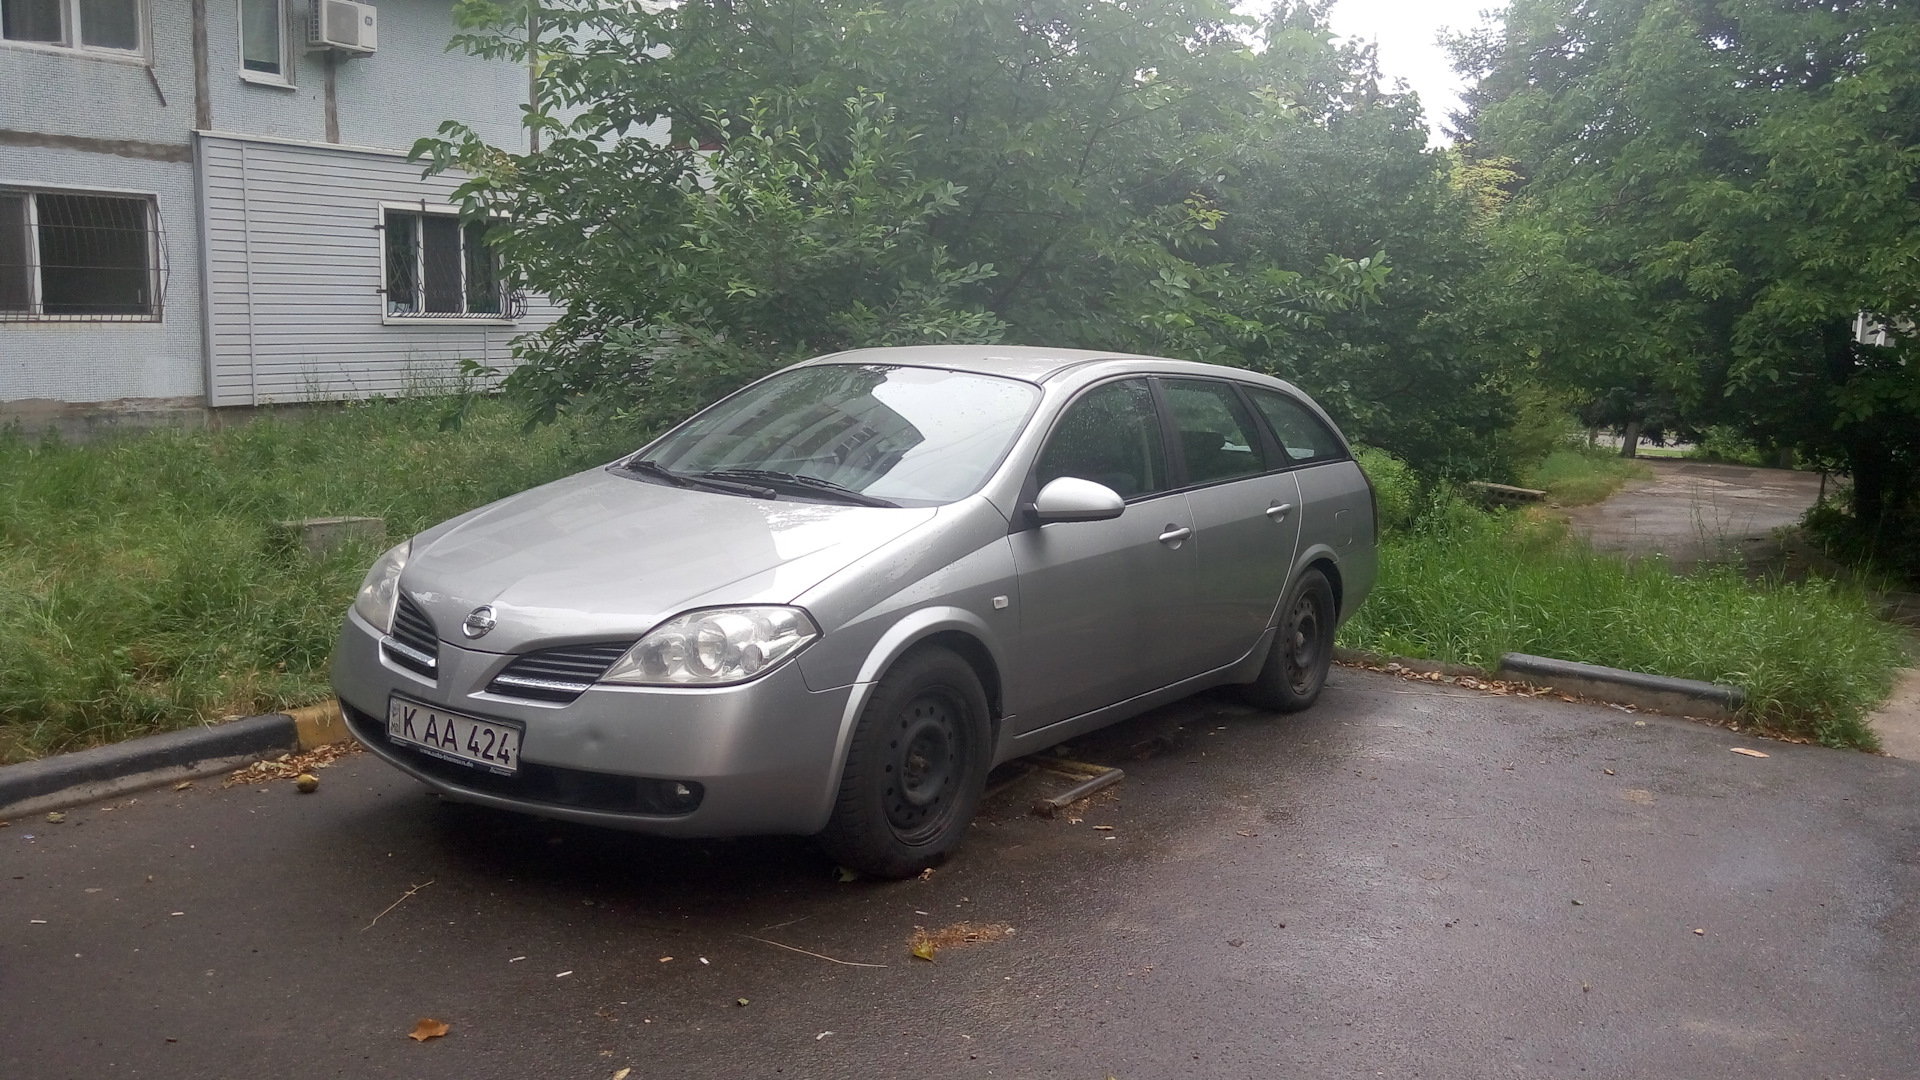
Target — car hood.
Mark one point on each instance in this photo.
(598, 557)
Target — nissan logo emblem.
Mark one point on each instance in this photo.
(478, 622)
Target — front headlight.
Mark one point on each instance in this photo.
(714, 647)
(380, 592)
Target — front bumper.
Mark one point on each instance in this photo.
(764, 755)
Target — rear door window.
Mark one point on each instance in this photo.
(1110, 435)
(1304, 438)
(1219, 438)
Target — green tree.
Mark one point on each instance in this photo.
(1713, 191)
(1135, 176)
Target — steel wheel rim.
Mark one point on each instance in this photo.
(924, 761)
(1302, 644)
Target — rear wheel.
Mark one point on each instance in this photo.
(1296, 667)
(915, 769)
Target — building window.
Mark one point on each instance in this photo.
(75, 257)
(263, 37)
(441, 267)
(116, 26)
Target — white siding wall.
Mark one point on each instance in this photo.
(294, 273)
(110, 361)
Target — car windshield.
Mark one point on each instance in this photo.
(902, 436)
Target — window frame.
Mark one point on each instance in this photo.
(1279, 449)
(1176, 467)
(70, 37)
(509, 312)
(1269, 449)
(36, 287)
(281, 81)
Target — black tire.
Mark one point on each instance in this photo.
(926, 724)
(1296, 667)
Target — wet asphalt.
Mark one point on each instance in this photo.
(1411, 880)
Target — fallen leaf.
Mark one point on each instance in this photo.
(183, 785)
(427, 1028)
(664, 959)
(924, 950)
(622, 1074)
(742, 1002)
(56, 817)
(1609, 772)
(1700, 930)
(927, 874)
(1747, 752)
(845, 874)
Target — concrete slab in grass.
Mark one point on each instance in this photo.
(1661, 693)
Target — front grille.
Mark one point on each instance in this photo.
(560, 674)
(537, 783)
(413, 644)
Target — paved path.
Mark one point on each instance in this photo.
(1384, 886)
(1694, 512)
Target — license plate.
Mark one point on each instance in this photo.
(492, 745)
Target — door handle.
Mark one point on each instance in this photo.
(1279, 511)
(1175, 534)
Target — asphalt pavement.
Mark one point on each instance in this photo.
(1411, 880)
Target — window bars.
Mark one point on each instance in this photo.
(80, 258)
(439, 267)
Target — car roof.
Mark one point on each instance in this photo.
(1026, 362)
(1032, 364)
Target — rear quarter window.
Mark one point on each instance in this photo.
(1304, 438)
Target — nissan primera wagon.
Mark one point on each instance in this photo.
(828, 604)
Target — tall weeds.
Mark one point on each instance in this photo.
(140, 589)
(1465, 587)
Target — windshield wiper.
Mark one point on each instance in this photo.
(702, 480)
(811, 485)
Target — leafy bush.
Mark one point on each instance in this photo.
(1465, 587)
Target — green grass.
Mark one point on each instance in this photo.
(139, 587)
(1578, 477)
(1464, 587)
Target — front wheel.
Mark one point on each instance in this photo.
(915, 769)
(1296, 668)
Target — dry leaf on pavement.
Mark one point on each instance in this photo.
(1747, 752)
(428, 1028)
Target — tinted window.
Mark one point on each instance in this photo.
(915, 436)
(1301, 433)
(1217, 434)
(1110, 436)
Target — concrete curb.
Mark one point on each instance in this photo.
(1661, 693)
(1655, 693)
(84, 776)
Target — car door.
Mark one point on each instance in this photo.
(1100, 600)
(1246, 518)
(1335, 504)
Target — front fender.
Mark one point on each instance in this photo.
(909, 630)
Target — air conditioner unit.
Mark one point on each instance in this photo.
(344, 25)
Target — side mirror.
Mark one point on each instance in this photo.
(1070, 498)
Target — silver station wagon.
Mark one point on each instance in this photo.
(828, 604)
